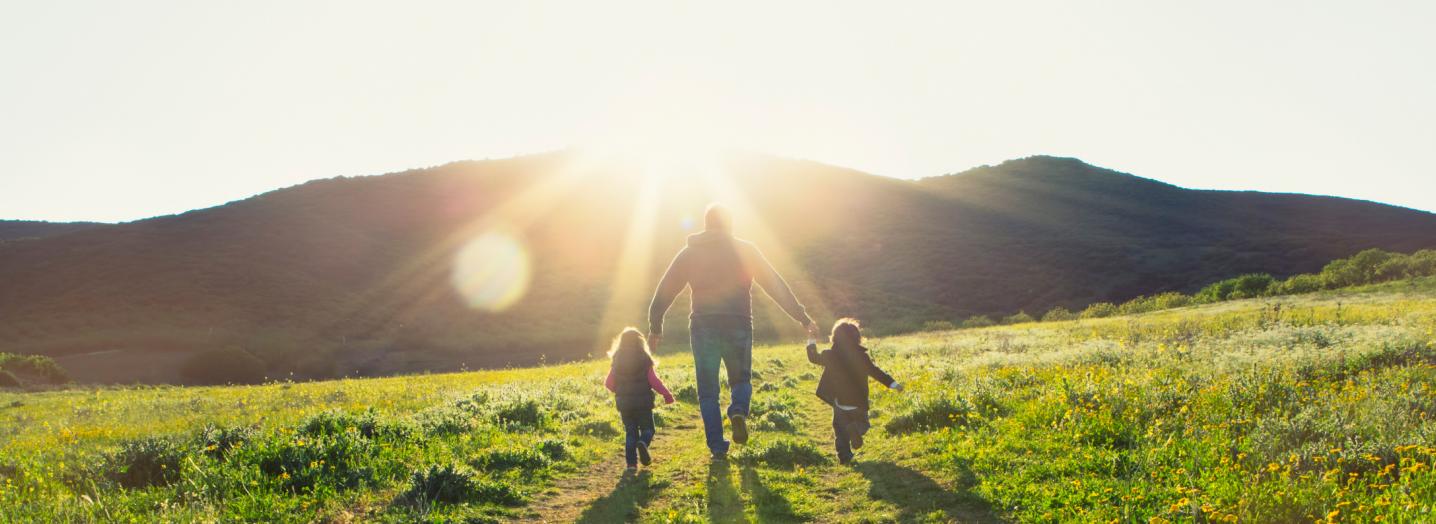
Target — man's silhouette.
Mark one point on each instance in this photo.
(721, 269)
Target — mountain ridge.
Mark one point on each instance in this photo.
(351, 275)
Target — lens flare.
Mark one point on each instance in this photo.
(492, 271)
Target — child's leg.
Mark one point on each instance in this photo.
(840, 435)
(858, 423)
(645, 427)
(630, 437)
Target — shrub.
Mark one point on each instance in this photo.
(1297, 284)
(932, 414)
(447, 421)
(1252, 286)
(1058, 314)
(522, 413)
(450, 484)
(688, 393)
(340, 461)
(554, 449)
(145, 462)
(938, 325)
(597, 428)
(787, 454)
(34, 366)
(507, 459)
(368, 424)
(217, 441)
(1172, 300)
(777, 421)
(1099, 310)
(978, 321)
(224, 366)
(1020, 318)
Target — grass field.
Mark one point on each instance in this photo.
(1299, 409)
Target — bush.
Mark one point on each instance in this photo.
(34, 366)
(368, 424)
(1099, 310)
(522, 413)
(978, 321)
(504, 460)
(1297, 284)
(787, 454)
(224, 366)
(553, 449)
(938, 325)
(597, 428)
(932, 414)
(449, 484)
(1058, 314)
(688, 393)
(145, 462)
(1020, 318)
(446, 421)
(340, 461)
(217, 441)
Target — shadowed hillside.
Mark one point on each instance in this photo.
(354, 275)
(26, 229)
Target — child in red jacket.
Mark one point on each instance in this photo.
(844, 384)
(632, 380)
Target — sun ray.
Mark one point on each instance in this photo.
(632, 272)
(752, 227)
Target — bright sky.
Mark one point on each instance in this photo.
(121, 110)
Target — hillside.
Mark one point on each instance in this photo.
(1300, 409)
(25, 229)
(353, 276)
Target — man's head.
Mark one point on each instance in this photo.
(717, 218)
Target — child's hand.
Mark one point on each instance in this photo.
(668, 399)
(897, 386)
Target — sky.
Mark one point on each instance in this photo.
(115, 111)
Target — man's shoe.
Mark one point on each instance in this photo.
(740, 428)
(643, 457)
(845, 460)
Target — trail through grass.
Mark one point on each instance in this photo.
(1316, 408)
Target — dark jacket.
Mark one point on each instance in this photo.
(631, 390)
(721, 269)
(845, 375)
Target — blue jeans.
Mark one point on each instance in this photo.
(726, 340)
(637, 428)
(848, 423)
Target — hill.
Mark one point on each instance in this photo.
(355, 276)
(1306, 408)
(22, 229)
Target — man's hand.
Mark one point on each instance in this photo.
(653, 340)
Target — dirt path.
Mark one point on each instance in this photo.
(604, 492)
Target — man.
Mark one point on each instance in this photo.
(721, 269)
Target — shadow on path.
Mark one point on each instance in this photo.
(919, 496)
(622, 504)
(770, 505)
(724, 503)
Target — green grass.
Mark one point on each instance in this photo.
(1318, 410)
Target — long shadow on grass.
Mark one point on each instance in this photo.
(622, 504)
(919, 496)
(770, 505)
(724, 503)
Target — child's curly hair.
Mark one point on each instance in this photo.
(847, 334)
(630, 351)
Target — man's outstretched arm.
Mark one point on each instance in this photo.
(672, 283)
(773, 284)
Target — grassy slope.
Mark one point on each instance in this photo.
(1319, 409)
